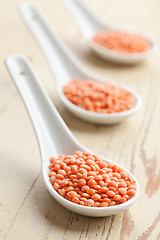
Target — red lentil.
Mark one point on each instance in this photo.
(98, 97)
(122, 42)
(131, 192)
(104, 204)
(100, 189)
(97, 204)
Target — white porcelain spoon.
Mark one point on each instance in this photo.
(53, 135)
(90, 25)
(66, 67)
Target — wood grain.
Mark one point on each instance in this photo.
(27, 210)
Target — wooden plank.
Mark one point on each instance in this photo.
(27, 210)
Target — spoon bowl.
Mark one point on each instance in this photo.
(90, 25)
(66, 67)
(53, 135)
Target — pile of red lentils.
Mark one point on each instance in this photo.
(122, 42)
(85, 179)
(98, 96)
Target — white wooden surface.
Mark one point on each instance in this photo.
(27, 210)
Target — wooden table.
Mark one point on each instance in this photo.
(27, 210)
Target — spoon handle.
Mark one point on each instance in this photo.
(85, 19)
(62, 62)
(53, 135)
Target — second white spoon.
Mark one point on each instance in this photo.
(66, 67)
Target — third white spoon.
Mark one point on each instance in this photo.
(90, 25)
